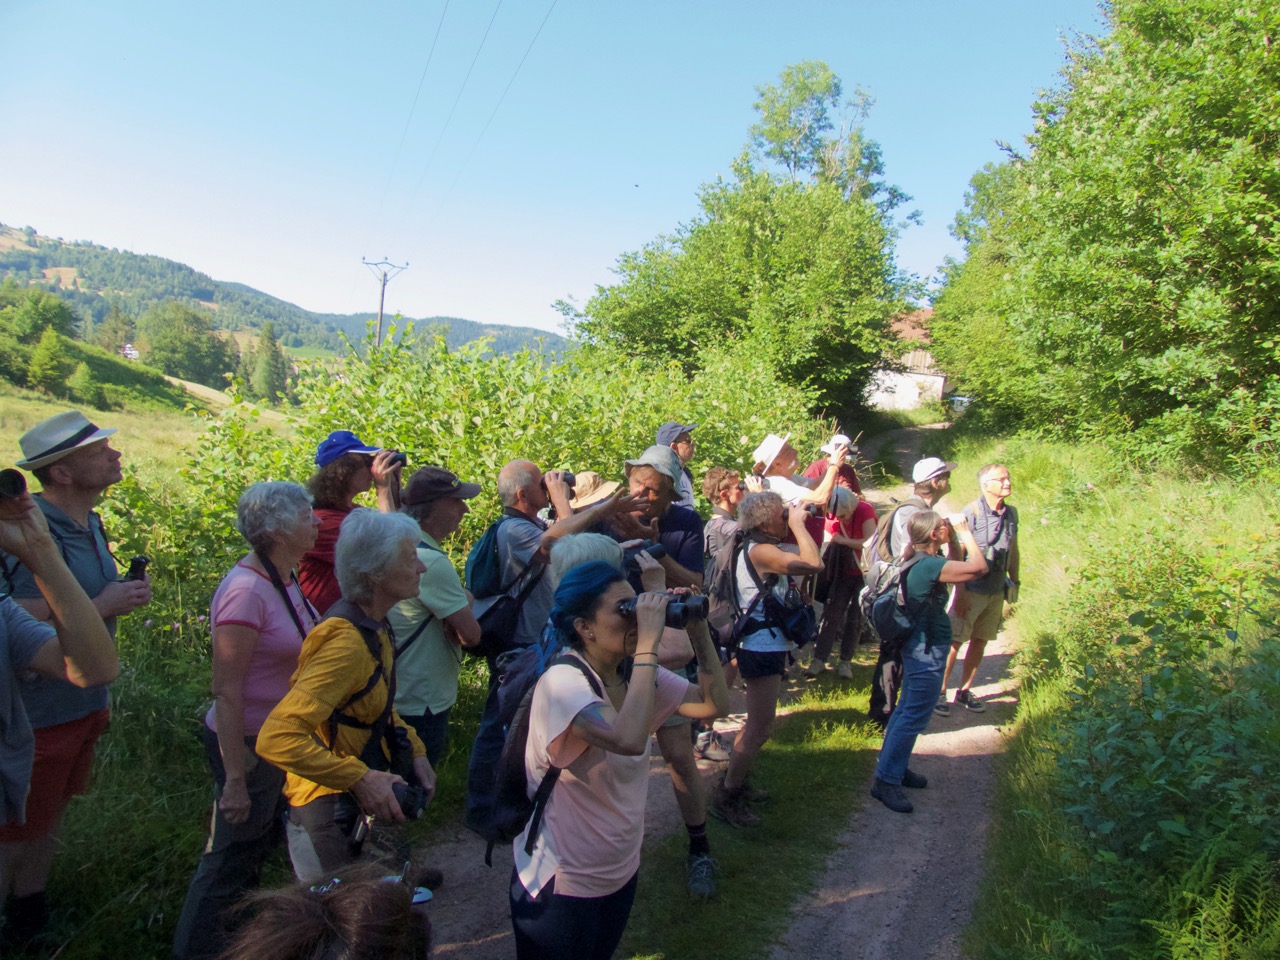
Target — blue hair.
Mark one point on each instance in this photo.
(578, 595)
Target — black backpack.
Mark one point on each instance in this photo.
(883, 602)
(723, 612)
(512, 805)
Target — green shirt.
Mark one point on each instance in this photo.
(427, 671)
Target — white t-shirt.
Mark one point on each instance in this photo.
(771, 640)
(593, 824)
(790, 490)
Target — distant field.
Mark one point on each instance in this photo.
(155, 442)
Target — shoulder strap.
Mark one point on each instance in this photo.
(345, 610)
(541, 567)
(402, 647)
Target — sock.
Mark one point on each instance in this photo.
(25, 917)
(698, 844)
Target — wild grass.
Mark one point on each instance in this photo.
(815, 767)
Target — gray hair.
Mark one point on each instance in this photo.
(842, 502)
(267, 510)
(579, 548)
(920, 526)
(757, 508)
(368, 544)
(988, 469)
(513, 478)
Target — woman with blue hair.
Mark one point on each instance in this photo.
(571, 897)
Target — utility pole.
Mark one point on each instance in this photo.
(384, 271)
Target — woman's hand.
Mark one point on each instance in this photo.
(651, 619)
(23, 529)
(234, 802)
(796, 518)
(753, 483)
(375, 795)
(653, 577)
(385, 468)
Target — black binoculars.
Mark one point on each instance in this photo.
(679, 612)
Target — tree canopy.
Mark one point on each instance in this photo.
(1127, 265)
(796, 264)
(180, 340)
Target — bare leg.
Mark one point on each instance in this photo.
(952, 654)
(762, 706)
(972, 660)
(677, 750)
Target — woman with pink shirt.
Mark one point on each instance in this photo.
(259, 618)
(571, 895)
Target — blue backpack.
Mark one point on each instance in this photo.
(483, 572)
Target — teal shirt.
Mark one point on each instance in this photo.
(427, 671)
(924, 590)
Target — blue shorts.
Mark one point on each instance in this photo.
(752, 665)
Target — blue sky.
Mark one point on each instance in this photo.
(277, 143)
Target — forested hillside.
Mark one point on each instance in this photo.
(94, 278)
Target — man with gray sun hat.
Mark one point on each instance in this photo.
(74, 462)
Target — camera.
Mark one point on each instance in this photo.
(12, 484)
(679, 612)
(656, 551)
(137, 568)
(412, 799)
(399, 458)
(997, 558)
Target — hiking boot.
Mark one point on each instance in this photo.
(966, 699)
(700, 875)
(754, 794)
(708, 747)
(891, 795)
(815, 668)
(845, 670)
(942, 708)
(731, 807)
(914, 781)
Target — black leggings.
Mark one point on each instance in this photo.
(554, 927)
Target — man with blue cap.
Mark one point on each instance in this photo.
(679, 437)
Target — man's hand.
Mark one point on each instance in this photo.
(652, 575)
(123, 596)
(24, 533)
(376, 797)
(558, 491)
(234, 802)
(634, 526)
(837, 458)
(621, 503)
(753, 483)
(384, 470)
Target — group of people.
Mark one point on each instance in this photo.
(337, 641)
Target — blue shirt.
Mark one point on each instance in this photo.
(21, 635)
(85, 551)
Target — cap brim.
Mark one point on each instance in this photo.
(466, 491)
(38, 462)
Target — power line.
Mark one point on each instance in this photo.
(407, 123)
(493, 113)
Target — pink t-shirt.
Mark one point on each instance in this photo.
(247, 598)
(594, 822)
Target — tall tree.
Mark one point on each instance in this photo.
(36, 311)
(270, 377)
(47, 369)
(115, 330)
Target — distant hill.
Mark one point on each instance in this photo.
(92, 278)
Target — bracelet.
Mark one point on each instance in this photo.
(647, 653)
(654, 665)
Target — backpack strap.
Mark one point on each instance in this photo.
(541, 567)
(371, 755)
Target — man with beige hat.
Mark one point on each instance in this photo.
(75, 463)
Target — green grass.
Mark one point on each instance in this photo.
(814, 767)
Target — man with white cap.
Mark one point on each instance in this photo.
(775, 463)
(679, 437)
(75, 463)
(846, 476)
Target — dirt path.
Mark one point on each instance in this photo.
(904, 886)
(895, 886)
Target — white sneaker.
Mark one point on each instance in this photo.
(815, 667)
(845, 670)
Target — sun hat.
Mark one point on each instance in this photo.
(590, 488)
(670, 431)
(662, 459)
(51, 440)
(839, 440)
(930, 467)
(338, 443)
(769, 449)
(428, 484)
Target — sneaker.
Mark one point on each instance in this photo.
(731, 807)
(700, 875)
(967, 699)
(845, 670)
(815, 667)
(891, 795)
(942, 708)
(709, 747)
(914, 781)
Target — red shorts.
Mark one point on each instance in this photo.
(63, 762)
